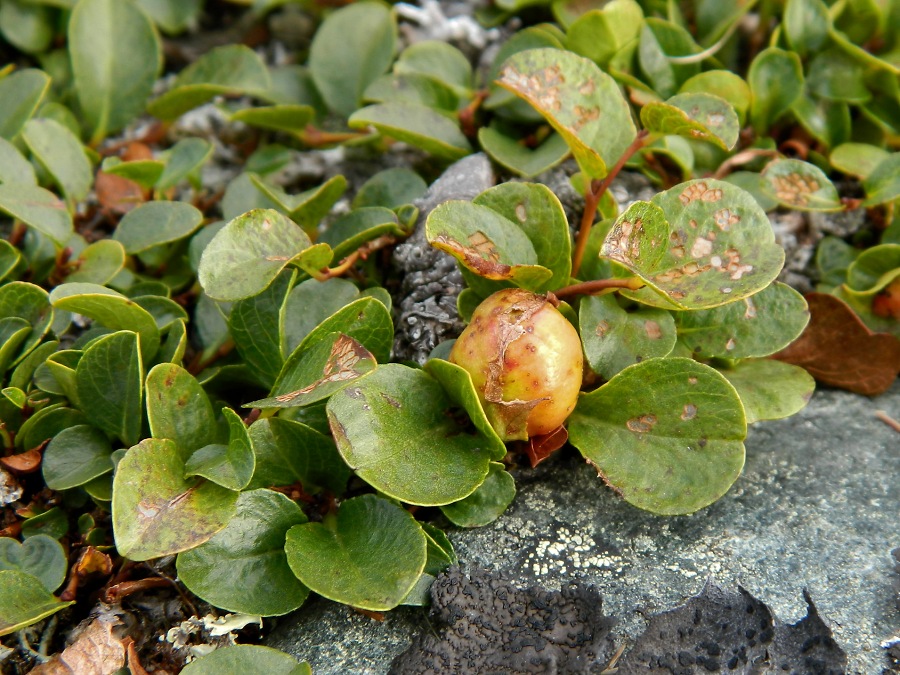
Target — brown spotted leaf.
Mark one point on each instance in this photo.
(698, 116)
(486, 243)
(667, 434)
(838, 349)
(800, 185)
(578, 99)
(702, 244)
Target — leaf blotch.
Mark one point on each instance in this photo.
(689, 412)
(641, 425)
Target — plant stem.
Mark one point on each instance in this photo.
(598, 286)
(595, 193)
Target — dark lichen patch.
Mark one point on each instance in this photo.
(725, 631)
(484, 624)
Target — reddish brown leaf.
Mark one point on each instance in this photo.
(540, 448)
(838, 349)
(24, 462)
(96, 651)
(117, 194)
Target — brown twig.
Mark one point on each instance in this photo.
(887, 419)
(598, 286)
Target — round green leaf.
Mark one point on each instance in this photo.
(62, 154)
(417, 125)
(46, 423)
(24, 601)
(351, 48)
(116, 58)
(486, 243)
(874, 268)
(288, 452)
(806, 24)
(155, 511)
(601, 34)
(882, 185)
(390, 188)
(579, 100)
(310, 303)
(697, 116)
(185, 158)
(800, 185)
(246, 255)
(614, 339)
(21, 93)
(487, 503)
(178, 409)
(702, 244)
(439, 61)
(758, 325)
(230, 466)
(724, 84)
(397, 430)
(369, 555)
(19, 299)
(243, 568)
(834, 75)
(76, 456)
(776, 81)
(770, 390)
(308, 207)
(156, 223)
(857, 159)
(666, 434)
(538, 213)
(659, 41)
(98, 263)
(287, 118)
(108, 381)
(38, 208)
(525, 161)
(144, 172)
(40, 556)
(53, 523)
(248, 660)
(111, 309)
(13, 331)
(14, 168)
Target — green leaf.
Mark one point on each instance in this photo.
(13, 394)
(390, 188)
(414, 124)
(163, 310)
(486, 243)
(370, 555)
(319, 370)
(366, 320)
(827, 121)
(116, 58)
(511, 153)
(874, 269)
(660, 40)
(53, 523)
(256, 324)
(579, 100)
(98, 263)
(155, 511)
(38, 208)
(310, 303)
(414, 89)
(309, 207)
(537, 212)
(601, 34)
(172, 16)
(288, 452)
(688, 247)
(24, 601)
(178, 409)
(247, 659)
(439, 61)
(21, 93)
(396, 429)
(108, 380)
(770, 390)
(833, 257)
(13, 331)
(62, 154)
(144, 172)
(352, 230)
(40, 556)
(836, 76)
(183, 160)
(724, 84)
(800, 185)
(230, 466)
(351, 48)
(111, 309)
(776, 81)
(670, 448)
(883, 184)
(614, 338)
(246, 255)
(291, 119)
(26, 301)
(46, 423)
(697, 116)
(759, 325)
(487, 503)
(857, 159)
(806, 24)
(243, 568)
(156, 223)
(14, 168)
(9, 258)
(75, 456)
(221, 70)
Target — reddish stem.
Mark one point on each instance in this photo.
(595, 193)
(598, 286)
(467, 114)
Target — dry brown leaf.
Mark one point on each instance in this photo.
(117, 194)
(838, 349)
(97, 651)
(25, 462)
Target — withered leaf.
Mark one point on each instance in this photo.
(838, 349)
(97, 651)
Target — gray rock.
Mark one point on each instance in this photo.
(426, 301)
(816, 508)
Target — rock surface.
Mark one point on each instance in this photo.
(816, 508)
